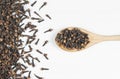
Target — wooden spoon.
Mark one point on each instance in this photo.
(93, 38)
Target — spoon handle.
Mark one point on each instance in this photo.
(111, 38)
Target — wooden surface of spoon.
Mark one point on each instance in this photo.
(93, 39)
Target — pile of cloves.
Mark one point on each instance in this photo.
(12, 48)
(72, 39)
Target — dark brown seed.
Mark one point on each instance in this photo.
(48, 16)
(32, 30)
(45, 55)
(31, 40)
(41, 20)
(30, 48)
(23, 59)
(21, 24)
(33, 18)
(45, 43)
(24, 35)
(30, 26)
(29, 55)
(39, 51)
(44, 68)
(18, 75)
(33, 64)
(38, 76)
(24, 72)
(37, 59)
(29, 75)
(49, 30)
(37, 41)
(26, 17)
(27, 41)
(27, 60)
(21, 48)
(29, 12)
(33, 3)
(35, 32)
(44, 4)
(37, 14)
(24, 66)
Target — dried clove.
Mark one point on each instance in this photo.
(44, 69)
(45, 55)
(39, 51)
(37, 41)
(49, 30)
(38, 76)
(45, 43)
(44, 4)
(48, 16)
(33, 3)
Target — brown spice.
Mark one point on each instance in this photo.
(72, 39)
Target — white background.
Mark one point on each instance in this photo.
(101, 61)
